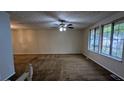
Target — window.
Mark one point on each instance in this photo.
(118, 39)
(110, 41)
(94, 40)
(106, 38)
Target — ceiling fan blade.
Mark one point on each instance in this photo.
(61, 20)
(69, 24)
(71, 27)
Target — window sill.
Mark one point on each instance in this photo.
(117, 59)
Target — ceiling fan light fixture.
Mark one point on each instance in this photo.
(62, 28)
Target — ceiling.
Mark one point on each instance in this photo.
(49, 19)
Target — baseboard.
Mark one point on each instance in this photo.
(9, 76)
(53, 54)
(104, 67)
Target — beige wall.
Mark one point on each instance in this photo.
(108, 63)
(46, 41)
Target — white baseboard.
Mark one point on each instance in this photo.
(9, 76)
(104, 67)
(45, 53)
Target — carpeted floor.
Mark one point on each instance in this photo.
(60, 68)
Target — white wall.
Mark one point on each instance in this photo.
(46, 41)
(6, 56)
(108, 63)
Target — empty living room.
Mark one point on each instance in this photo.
(62, 46)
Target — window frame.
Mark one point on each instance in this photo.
(98, 40)
(102, 40)
(89, 39)
(117, 22)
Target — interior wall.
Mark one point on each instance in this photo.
(6, 55)
(107, 62)
(46, 41)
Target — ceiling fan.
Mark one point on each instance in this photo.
(64, 25)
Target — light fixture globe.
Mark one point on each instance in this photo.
(62, 28)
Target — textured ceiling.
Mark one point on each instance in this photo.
(49, 20)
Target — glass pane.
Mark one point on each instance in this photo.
(91, 42)
(97, 35)
(118, 40)
(106, 39)
(94, 40)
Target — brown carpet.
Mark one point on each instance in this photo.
(60, 67)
